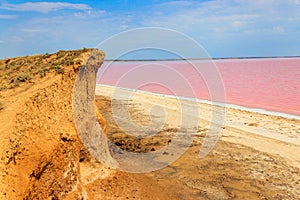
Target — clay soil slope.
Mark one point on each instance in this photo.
(41, 154)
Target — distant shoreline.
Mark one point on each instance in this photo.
(183, 59)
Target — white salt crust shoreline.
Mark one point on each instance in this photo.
(225, 105)
(269, 132)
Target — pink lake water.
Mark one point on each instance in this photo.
(271, 83)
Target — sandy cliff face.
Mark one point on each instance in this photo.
(42, 154)
(41, 151)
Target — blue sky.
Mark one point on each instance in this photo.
(233, 28)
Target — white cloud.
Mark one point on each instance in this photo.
(31, 30)
(278, 29)
(222, 17)
(237, 24)
(294, 19)
(44, 7)
(124, 26)
(90, 14)
(7, 16)
(206, 18)
(177, 3)
(217, 24)
(14, 39)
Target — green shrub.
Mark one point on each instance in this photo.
(16, 67)
(42, 72)
(59, 69)
(60, 54)
(23, 77)
(7, 66)
(46, 55)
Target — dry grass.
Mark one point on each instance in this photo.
(15, 71)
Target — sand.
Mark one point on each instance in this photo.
(238, 126)
(256, 156)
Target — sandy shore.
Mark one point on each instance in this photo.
(257, 155)
(231, 120)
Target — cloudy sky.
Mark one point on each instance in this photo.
(224, 28)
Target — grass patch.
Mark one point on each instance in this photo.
(43, 71)
(46, 55)
(27, 69)
(59, 69)
(60, 54)
(23, 77)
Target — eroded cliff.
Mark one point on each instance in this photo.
(41, 149)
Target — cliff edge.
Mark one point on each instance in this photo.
(41, 150)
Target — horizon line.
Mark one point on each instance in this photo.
(216, 58)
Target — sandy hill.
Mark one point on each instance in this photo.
(42, 156)
(40, 150)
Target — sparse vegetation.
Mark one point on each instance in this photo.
(42, 72)
(14, 71)
(23, 77)
(59, 69)
(60, 54)
(46, 55)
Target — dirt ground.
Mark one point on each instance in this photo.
(42, 157)
(230, 171)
